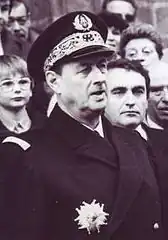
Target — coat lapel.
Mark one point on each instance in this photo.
(82, 140)
(130, 154)
(128, 149)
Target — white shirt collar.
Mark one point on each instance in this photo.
(51, 104)
(142, 132)
(152, 124)
(1, 47)
(98, 129)
(10, 124)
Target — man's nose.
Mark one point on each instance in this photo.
(99, 76)
(110, 36)
(16, 26)
(130, 100)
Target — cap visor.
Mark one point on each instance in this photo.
(93, 50)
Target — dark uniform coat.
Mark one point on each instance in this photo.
(68, 164)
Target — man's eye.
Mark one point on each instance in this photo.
(157, 92)
(117, 92)
(11, 20)
(138, 91)
(5, 8)
(116, 31)
(85, 70)
(102, 67)
(22, 21)
(147, 52)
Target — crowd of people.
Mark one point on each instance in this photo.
(83, 126)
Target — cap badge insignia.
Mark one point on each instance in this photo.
(82, 22)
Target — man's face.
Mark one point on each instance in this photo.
(4, 13)
(142, 49)
(121, 8)
(158, 97)
(81, 86)
(15, 91)
(19, 21)
(127, 99)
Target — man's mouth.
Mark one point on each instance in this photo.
(130, 112)
(98, 92)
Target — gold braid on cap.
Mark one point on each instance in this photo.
(73, 43)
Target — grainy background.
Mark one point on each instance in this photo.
(150, 11)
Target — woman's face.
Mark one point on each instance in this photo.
(143, 50)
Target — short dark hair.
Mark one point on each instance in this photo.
(14, 3)
(113, 20)
(132, 2)
(131, 66)
(141, 30)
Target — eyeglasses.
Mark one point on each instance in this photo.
(20, 20)
(8, 85)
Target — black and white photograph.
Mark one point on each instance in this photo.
(83, 120)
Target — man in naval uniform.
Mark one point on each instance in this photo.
(80, 178)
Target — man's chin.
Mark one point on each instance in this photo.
(130, 124)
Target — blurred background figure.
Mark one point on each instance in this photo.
(158, 98)
(143, 43)
(165, 55)
(125, 9)
(15, 93)
(19, 25)
(116, 24)
(7, 42)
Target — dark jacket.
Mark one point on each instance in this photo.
(158, 142)
(10, 45)
(68, 164)
(38, 121)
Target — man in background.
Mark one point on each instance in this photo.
(19, 25)
(128, 91)
(7, 41)
(158, 98)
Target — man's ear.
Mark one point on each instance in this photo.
(53, 80)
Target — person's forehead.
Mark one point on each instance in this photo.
(161, 80)
(120, 7)
(159, 74)
(120, 77)
(18, 10)
(12, 76)
(140, 43)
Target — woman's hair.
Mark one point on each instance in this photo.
(12, 64)
(141, 30)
